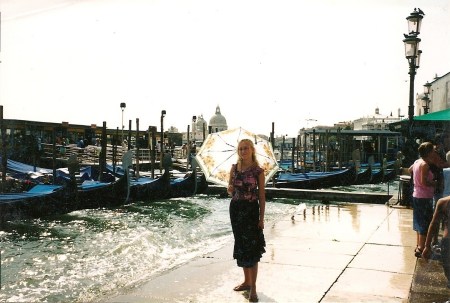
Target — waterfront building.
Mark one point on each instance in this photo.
(435, 101)
(199, 128)
(369, 135)
(439, 96)
(218, 122)
(376, 121)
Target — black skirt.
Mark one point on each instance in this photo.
(249, 239)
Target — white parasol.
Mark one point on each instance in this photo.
(219, 152)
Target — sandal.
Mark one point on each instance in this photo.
(241, 287)
(253, 298)
(418, 252)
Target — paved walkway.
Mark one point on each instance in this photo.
(336, 253)
(429, 283)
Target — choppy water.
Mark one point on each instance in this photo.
(86, 255)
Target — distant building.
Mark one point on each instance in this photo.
(375, 122)
(199, 129)
(439, 96)
(172, 129)
(218, 122)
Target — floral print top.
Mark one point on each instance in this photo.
(246, 183)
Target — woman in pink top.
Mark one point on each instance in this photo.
(424, 186)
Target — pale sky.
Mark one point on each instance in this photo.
(261, 61)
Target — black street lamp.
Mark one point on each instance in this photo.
(412, 54)
(425, 99)
(122, 107)
(425, 103)
(427, 88)
(415, 21)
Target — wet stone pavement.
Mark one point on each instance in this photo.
(327, 253)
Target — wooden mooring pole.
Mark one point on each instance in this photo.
(4, 159)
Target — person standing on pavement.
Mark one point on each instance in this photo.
(441, 213)
(247, 207)
(437, 163)
(424, 186)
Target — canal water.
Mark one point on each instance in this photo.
(91, 254)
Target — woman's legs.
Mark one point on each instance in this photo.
(246, 285)
(253, 271)
(420, 245)
(250, 275)
(422, 214)
(422, 239)
(247, 276)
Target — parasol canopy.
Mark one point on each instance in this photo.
(219, 151)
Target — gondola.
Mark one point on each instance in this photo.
(383, 175)
(363, 176)
(390, 175)
(77, 194)
(38, 201)
(44, 200)
(147, 189)
(19, 167)
(163, 187)
(316, 180)
(95, 194)
(377, 176)
(190, 185)
(70, 194)
(389, 164)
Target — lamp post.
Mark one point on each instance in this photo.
(425, 103)
(122, 107)
(163, 114)
(425, 99)
(427, 88)
(412, 54)
(194, 127)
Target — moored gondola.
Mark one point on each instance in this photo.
(147, 189)
(189, 185)
(363, 176)
(38, 201)
(316, 180)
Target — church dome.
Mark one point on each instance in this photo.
(199, 124)
(218, 122)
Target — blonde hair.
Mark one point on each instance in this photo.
(252, 146)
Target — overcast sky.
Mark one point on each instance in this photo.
(295, 63)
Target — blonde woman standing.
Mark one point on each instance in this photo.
(247, 189)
